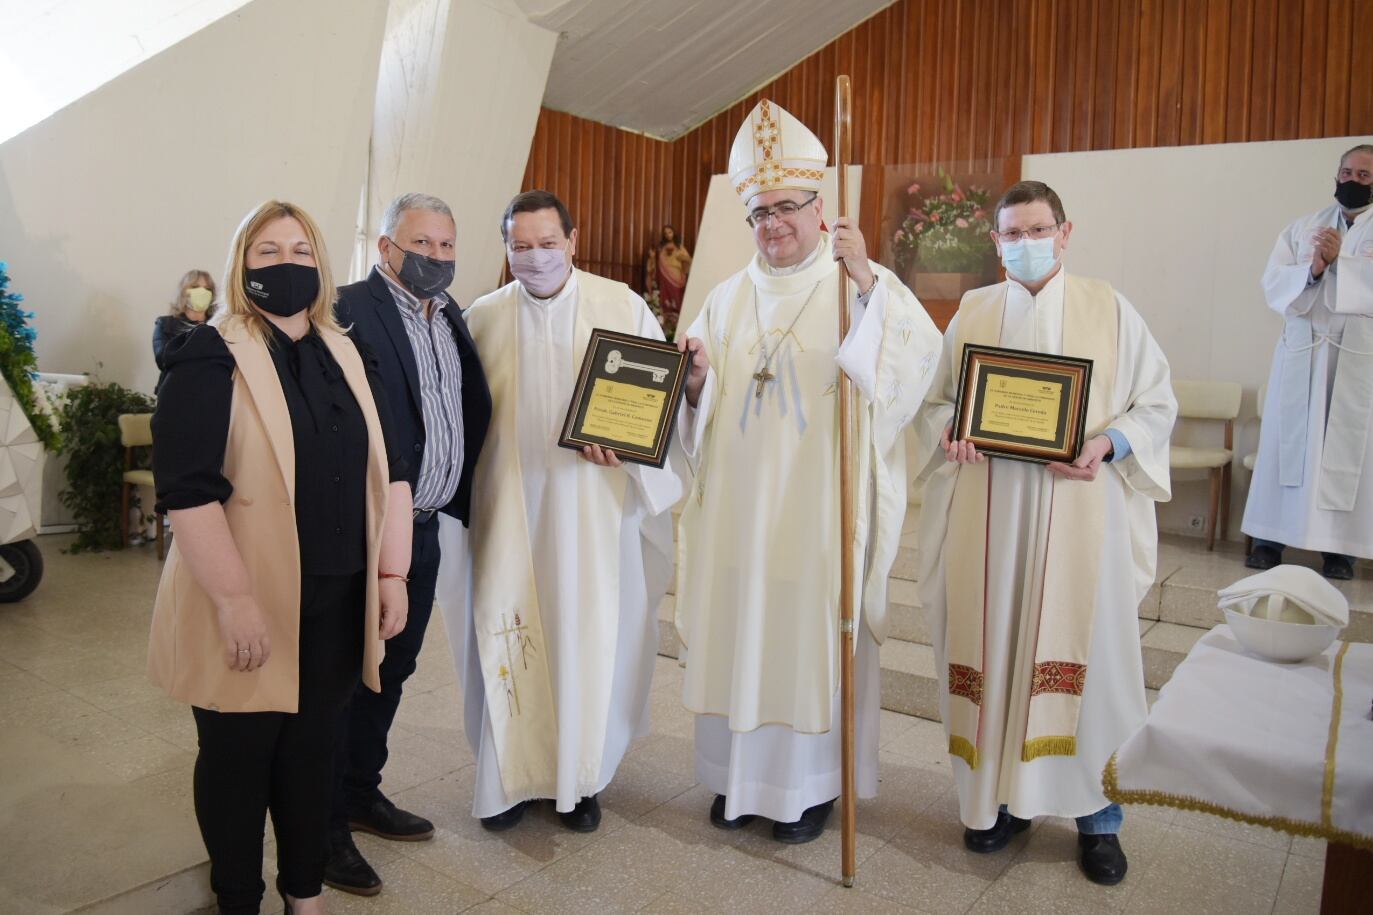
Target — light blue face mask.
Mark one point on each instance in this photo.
(1029, 259)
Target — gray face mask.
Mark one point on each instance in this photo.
(425, 276)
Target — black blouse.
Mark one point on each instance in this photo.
(191, 431)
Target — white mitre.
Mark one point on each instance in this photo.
(1290, 594)
(773, 151)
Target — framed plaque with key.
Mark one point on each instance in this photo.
(626, 397)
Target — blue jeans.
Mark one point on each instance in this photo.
(1105, 822)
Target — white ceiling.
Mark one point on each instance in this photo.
(664, 66)
(52, 52)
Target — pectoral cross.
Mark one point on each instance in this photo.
(762, 376)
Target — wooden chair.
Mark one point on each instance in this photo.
(136, 431)
(1217, 401)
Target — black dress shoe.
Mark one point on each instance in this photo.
(806, 829)
(1340, 568)
(382, 818)
(986, 841)
(1101, 859)
(1263, 557)
(506, 820)
(585, 817)
(347, 869)
(717, 816)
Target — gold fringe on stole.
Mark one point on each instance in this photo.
(963, 748)
(1328, 783)
(1110, 785)
(1048, 746)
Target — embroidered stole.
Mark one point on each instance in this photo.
(507, 616)
(1063, 564)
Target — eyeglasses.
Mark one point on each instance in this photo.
(1012, 236)
(784, 210)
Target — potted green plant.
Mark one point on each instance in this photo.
(95, 460)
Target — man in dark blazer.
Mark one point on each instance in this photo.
(440, 408)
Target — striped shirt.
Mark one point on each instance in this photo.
(440, 375)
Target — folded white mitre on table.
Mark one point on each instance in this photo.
(1288, 594)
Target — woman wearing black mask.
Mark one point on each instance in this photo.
(288, 566)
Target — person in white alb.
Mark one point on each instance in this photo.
(758, 575)
(1314, 442)
(1032, 574)
(570, 552)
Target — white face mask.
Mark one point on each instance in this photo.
(1029, 259)
(199, 299)
(542, 270)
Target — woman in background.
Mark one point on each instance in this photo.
(195, 296)
(288, 568)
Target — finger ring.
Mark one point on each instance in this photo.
(244, 651)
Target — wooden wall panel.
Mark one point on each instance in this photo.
(972, 80)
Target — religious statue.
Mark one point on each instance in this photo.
(665, 273)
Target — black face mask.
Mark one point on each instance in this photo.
(1352, 195)
(425, 276)
(282, 289)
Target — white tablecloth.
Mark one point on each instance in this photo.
(1289, 746)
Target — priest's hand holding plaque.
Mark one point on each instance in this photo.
(1024, 406)
(626, 399)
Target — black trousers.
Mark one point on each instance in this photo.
(362, 739)
(250, 762)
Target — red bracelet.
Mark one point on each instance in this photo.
(395, 575)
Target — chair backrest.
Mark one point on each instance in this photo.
(135, 429)
(1263, 395)
(1207, 399)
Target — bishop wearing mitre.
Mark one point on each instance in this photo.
(571, 552)
(759, 538)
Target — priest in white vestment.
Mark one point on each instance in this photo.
(1032, 574)
(758, 569)
(555, 632)
(1307, 489)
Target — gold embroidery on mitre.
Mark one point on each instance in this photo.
(777, 176)
(766, 133)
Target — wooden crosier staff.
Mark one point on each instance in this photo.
(848, 797)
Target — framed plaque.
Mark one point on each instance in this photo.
(1022, 405)
(626, 397)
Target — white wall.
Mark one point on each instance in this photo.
(456, 107)
(58, 50)
(105, 204)
(1184, 234)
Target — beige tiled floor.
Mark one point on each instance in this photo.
(95, 806)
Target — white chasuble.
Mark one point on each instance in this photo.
(569, 561)
(1033, 584)
(1313, 486)
(758, 564)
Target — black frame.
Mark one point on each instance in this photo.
(597, 364)
(1074, 373)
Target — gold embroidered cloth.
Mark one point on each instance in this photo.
(1288, 746)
